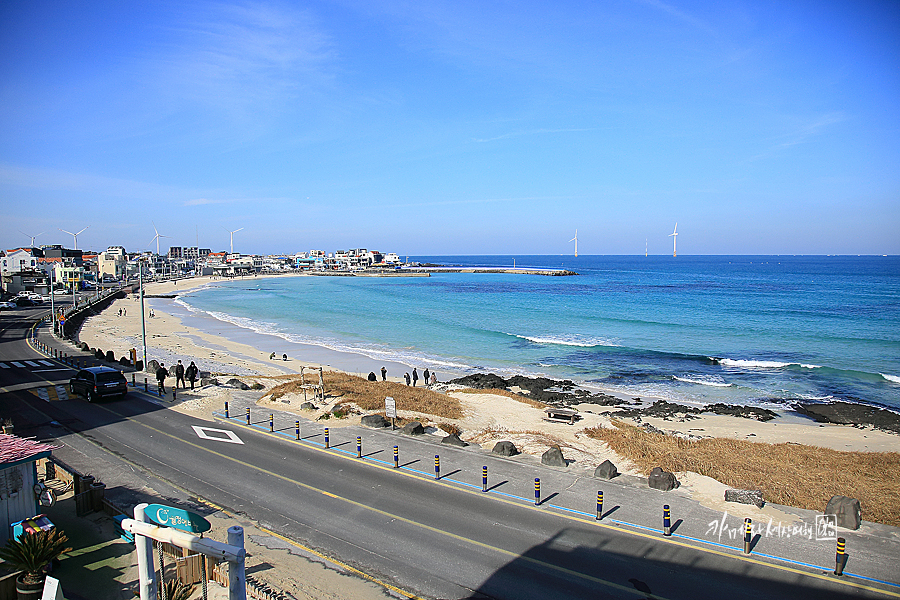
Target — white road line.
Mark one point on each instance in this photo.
(61, 392)
(43, 395)
(31, 364)
(17, 364)
(4, 366)
(46, 363)
(49, 370)
(203, 434)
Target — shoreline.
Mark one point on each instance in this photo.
(221, 347)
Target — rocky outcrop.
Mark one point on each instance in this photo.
(372, 420)
(237, 383)
(606, 470)
(553, 457)
(662, 480)
(505, 448)
(849, 413)
(413, 428)
(846, 510)
(754, 497)
(453, 440)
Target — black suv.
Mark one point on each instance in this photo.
(96, 382)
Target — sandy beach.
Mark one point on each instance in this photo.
(486, 417)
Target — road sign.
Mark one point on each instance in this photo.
(390, 407)
(177, 518)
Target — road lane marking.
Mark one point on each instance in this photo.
(31, 363)
(204, 434)
(4, 366)
(42, 394)
(61, 392)
(17, 364)
(527, 506)
(46, 363)
(563, 515)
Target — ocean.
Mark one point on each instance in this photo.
(755, 330)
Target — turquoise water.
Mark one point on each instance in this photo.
(755, 330)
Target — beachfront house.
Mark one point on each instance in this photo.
(20, 272)
(112, 263)
(18, 475)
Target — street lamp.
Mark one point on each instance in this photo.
(143, 321)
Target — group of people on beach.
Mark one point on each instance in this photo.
(429, 379)
(180, 373)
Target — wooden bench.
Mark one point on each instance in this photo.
(561, 415)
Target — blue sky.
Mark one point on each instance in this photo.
(453, 127)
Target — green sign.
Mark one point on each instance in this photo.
(177, 518)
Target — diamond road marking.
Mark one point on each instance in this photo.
(203, 434)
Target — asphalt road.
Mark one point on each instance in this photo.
(436, 539)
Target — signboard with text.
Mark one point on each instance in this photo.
(390, 408)
(177, 518)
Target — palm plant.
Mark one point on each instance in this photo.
(32, 551)
(175, 590)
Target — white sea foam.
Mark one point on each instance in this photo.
(703, 381)
(891, 378)
(567, 341)
(760, 364)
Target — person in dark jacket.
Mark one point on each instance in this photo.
(179, 375)
(161, 374)
(191, 373)
(415, 377)
(425, 377)
(383, 374)
(372, 376)
(406, 377)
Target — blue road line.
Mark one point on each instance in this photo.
(575, 511)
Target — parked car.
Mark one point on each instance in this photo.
(95, 383)
(24, 301)
(7, 305)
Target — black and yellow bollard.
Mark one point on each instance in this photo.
(748, 534)
(145, 385)
(396, 457)
(174, 394)
(271, 422)
(667, 520)
(537, 491)
(437, 466)
(327, 443)
(599, 505)
(840, 557)
(297, 428)
(226, 409)
(132, 380)
(248, 415)
(359, 446)
(484, 478)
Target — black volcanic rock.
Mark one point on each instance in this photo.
(482, 381)
(849, 413)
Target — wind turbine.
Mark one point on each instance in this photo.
(674, 236)
(156, 237)
(232, 238)
(575, 239)
(34, 236)
(74, 235)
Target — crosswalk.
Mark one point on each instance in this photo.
(34, 365)
(51, 393)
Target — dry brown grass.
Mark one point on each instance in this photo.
(789, 474)
(507, 393)
(369, 395)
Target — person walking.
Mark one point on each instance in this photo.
(415, 376)
(383, 374)
(161, 374)
(433, 378)
(425, 377)
(179, 375)
(191, 373)
(406, 377)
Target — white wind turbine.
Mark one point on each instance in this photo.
(232, 238)
(34, 236)
(156, 237)
(575, 239)
(674, 236)
(74, 235)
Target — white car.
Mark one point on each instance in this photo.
(7, 305)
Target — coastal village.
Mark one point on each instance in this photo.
(31, 269)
